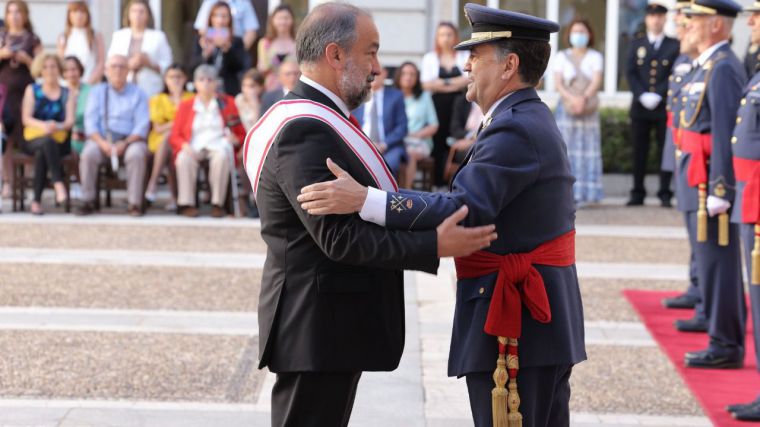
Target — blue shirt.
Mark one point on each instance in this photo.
(127, 111)
(420, 113)
(243, 16)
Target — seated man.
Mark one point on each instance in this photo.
(207, 126)
(116, 122)
(383, 119)
(288, 75)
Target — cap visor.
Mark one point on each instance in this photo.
(468, 44)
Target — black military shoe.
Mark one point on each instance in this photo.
(715, 358)
(635, 201)
(751, 414)
(696, 354)
(743, 406)
(681, 301)
(691, 325)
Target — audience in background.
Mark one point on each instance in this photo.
(248, 101)
(245, 22)
(80, 40)
(578, 76)
(116, 121)
(147, 50)
(47, 114)
(278, 44)
(422, 121)
(287, 75)
(79, 91)
(163, 109)
(383, 120)
(465, 121)
(18, 45)
(441, 74)
(219, 47)
(207, 127)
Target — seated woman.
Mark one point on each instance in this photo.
(80, 91)
(422, 120)
(465, 121)
(207, 126)
(47, 114)
(163, 109)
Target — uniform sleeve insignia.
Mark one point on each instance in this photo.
(397, 203)
(409, 204)
(641, 52)
(488, 121)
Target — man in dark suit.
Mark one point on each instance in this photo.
(649, 64)
(517, 175)
(332, 298)
(287, 74)
(383, 119)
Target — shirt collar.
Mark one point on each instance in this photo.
(708, 53)
(199, 107)
(655, 39)
(333, 97)
(491, 110)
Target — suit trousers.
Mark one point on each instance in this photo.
(748, 239)
(641, 133)
(187, 175)
(721, 285)
(135, 160)
(544, 396)
(313, 399)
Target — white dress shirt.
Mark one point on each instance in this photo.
(333, 97)
(373, 209)
(704, 56)
(208, 129)
(656, 40)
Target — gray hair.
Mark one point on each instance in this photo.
(327, 23)
(205, 70)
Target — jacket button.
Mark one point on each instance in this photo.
(744, 101)
(678, 79)
(738, 119)
(481, 291)
(734, 140)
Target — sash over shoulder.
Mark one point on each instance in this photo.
(260, 138)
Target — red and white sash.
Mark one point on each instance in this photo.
(260, 138)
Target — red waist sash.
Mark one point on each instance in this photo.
(670, 120)
(518, 282)
(699, 145)
(748, 171)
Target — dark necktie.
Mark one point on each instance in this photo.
(352, 119)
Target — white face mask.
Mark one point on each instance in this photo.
(578, 39)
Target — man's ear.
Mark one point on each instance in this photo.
(335, 56)
(511, 65)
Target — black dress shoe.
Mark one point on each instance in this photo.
(84, 209)
(696, 354)
(715, 359)
(751, 414)
(691, 325)
(743, 406)
(665, 203)
(635, 201)
(681, 301)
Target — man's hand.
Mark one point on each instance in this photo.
(120, 147)
(340, 196)
(455, 240)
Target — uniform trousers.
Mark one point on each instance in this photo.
(748, 239)
(720, 281)
(641, 133)
(135, 160)
(187, 175)
(693, 289)
(544, 396)
(313, 399)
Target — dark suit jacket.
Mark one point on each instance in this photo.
(232, 63)
(517, 176)
(647, 70)
(332, 296)
(270, 98)
(394, 125)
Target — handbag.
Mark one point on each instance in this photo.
(578, 86)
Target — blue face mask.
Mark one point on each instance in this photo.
(579, 39)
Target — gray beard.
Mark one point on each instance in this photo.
(356, 94)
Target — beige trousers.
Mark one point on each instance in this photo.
(187, 176)
(135, 160)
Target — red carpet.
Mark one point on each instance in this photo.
(713, 388)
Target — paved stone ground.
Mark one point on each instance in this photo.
(114, 321)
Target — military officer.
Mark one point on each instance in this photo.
(705, 172)
(752, 58)
(682, 72)
(746, 148)
(650, 61)
(517, 176)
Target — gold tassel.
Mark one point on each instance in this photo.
(515, 417)
(702, 214)
(756, 257)
(723, 229)
(499, 393)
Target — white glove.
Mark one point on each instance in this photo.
(716, 205)
(650, 100)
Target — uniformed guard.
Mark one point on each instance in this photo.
(746, 148)
(650, 60)
(682, 72)
(705, 172)
(516, 175)
(752, 58)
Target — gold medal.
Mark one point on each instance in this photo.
(641, 52)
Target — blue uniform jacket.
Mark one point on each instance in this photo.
(723, 77)
(746, 139)
(517, 176)
(394, 125)
(682, 72)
